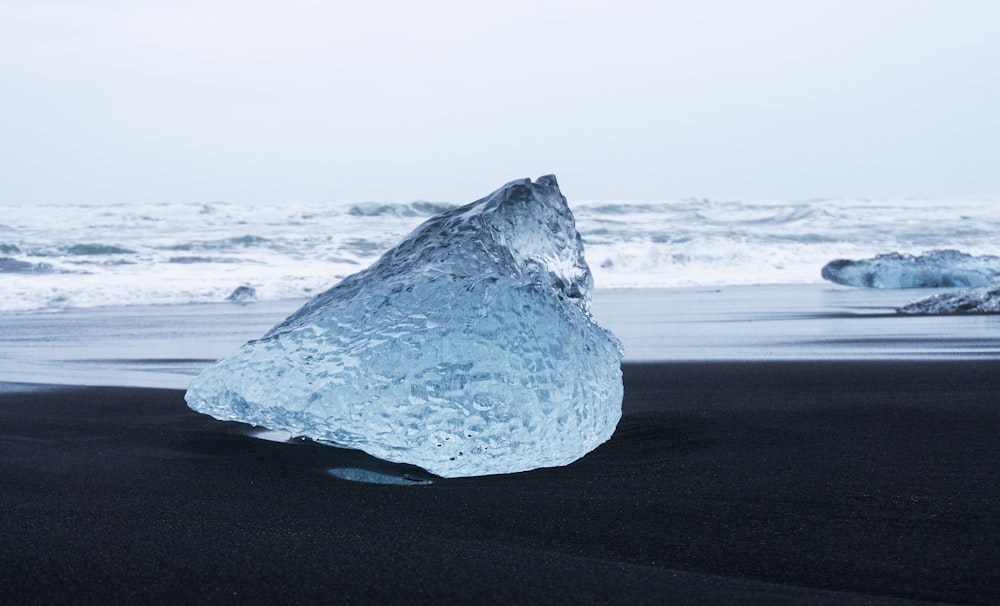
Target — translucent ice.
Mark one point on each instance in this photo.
(468, 349)
(934, 269)
(982, 300)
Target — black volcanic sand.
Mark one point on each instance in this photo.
(819, 483)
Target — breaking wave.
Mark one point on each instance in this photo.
(181, 252)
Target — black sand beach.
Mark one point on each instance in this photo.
(726, 482)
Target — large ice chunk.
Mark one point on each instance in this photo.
(934, 269)
(982, 300)
(468, 349)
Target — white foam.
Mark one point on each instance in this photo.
(196, 253)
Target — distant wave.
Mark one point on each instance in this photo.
(9, 265)
(143, 254)
(196, 259)
(412, 209)
(96, 249)
(244, 241)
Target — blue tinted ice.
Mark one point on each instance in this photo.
(982, 300)
(468, 349)
(934, 269)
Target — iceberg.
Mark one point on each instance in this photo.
(933, 269)
(982, 300)
(467, 349)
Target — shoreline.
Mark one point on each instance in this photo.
(164, 346)
(836, 482)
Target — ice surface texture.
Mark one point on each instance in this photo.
(468, 349)
(934, 269)
(982, 300)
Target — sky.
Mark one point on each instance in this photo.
(115, 102)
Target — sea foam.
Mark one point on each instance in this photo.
(67, 256)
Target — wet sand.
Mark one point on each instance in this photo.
(832, 481)
(164, 346)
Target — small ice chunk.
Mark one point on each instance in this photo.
(272, 436)
(368, 476)
(933, 269)
(467, 349)
(242, 295)
(982, 300)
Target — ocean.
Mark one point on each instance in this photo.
(91, 255)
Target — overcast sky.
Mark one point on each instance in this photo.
(296, 100)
